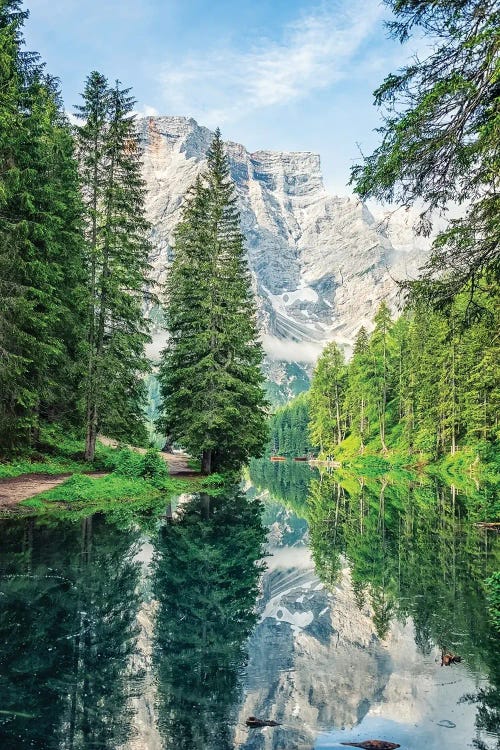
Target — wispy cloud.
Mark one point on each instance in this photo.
(314, 52)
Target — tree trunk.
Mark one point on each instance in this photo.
(91, 437)
(206, 461)
(91, 407)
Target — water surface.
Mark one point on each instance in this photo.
(159, 635)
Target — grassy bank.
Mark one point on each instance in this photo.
(57, 453)
(133, 482)
(470, 464)
(115, 494)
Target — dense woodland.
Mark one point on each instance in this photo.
(74, 279)
(424, 384)
(73, 255)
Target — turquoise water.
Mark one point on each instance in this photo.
(322, 602)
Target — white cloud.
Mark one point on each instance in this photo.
(146, 111)
(315, 51)
(291, 351)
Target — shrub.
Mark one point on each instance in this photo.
(153, 467)
(127, 463)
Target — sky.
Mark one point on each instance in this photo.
(285, 75)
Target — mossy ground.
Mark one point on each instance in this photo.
(56, 453)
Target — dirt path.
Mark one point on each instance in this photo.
(177, 462)
(15, 489)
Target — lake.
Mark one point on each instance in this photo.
(324, 602)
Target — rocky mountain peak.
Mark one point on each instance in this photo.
(321, 263)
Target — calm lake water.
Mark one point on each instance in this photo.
(323, 602)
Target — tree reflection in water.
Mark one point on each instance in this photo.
(67, 629)
(414, 551)
(205, 576)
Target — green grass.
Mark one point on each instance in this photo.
(120, 496)
(42, 465)
(57, 453)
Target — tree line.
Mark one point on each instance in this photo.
(73, 254)
(423, 384)
(74, 278)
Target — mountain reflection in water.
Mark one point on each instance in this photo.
(396, 574)
(163, 636)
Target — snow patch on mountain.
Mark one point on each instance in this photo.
(320, 264)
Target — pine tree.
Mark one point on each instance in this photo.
(117, 263)
(327, 397)
(41, 251)
(210, 375)
(441, 139)
(381, 371)
(357, 397)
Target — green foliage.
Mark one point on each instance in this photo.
(289, 428)
(492, 585)
(117, 248)
(153, 467)
(128, 463)
(128, 500)
(42, 272)
(80, 488)
(421, 388)
(440, 141)
(210, 375)
(326, 398)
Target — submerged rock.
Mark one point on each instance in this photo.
(373, 745)
(254, 722)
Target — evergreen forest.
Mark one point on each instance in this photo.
(76, 289)
(421, 387)
(75, 282)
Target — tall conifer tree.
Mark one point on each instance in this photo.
(210, 375)
(41, 250)
(117, 262)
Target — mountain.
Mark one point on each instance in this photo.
(321, 264)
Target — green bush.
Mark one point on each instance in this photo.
(127, 463)
(153, 467)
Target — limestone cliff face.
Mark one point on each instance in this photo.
(321, 264)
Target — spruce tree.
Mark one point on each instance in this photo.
(210, 374)
(117, 244)
(441, 139)
(357, 398)
(327, 397)
(41, 250)
(381, 345)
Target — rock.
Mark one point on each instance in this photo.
(256, 723)
(448, 659)
(373, 745)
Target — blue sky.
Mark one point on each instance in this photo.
(275, 74)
